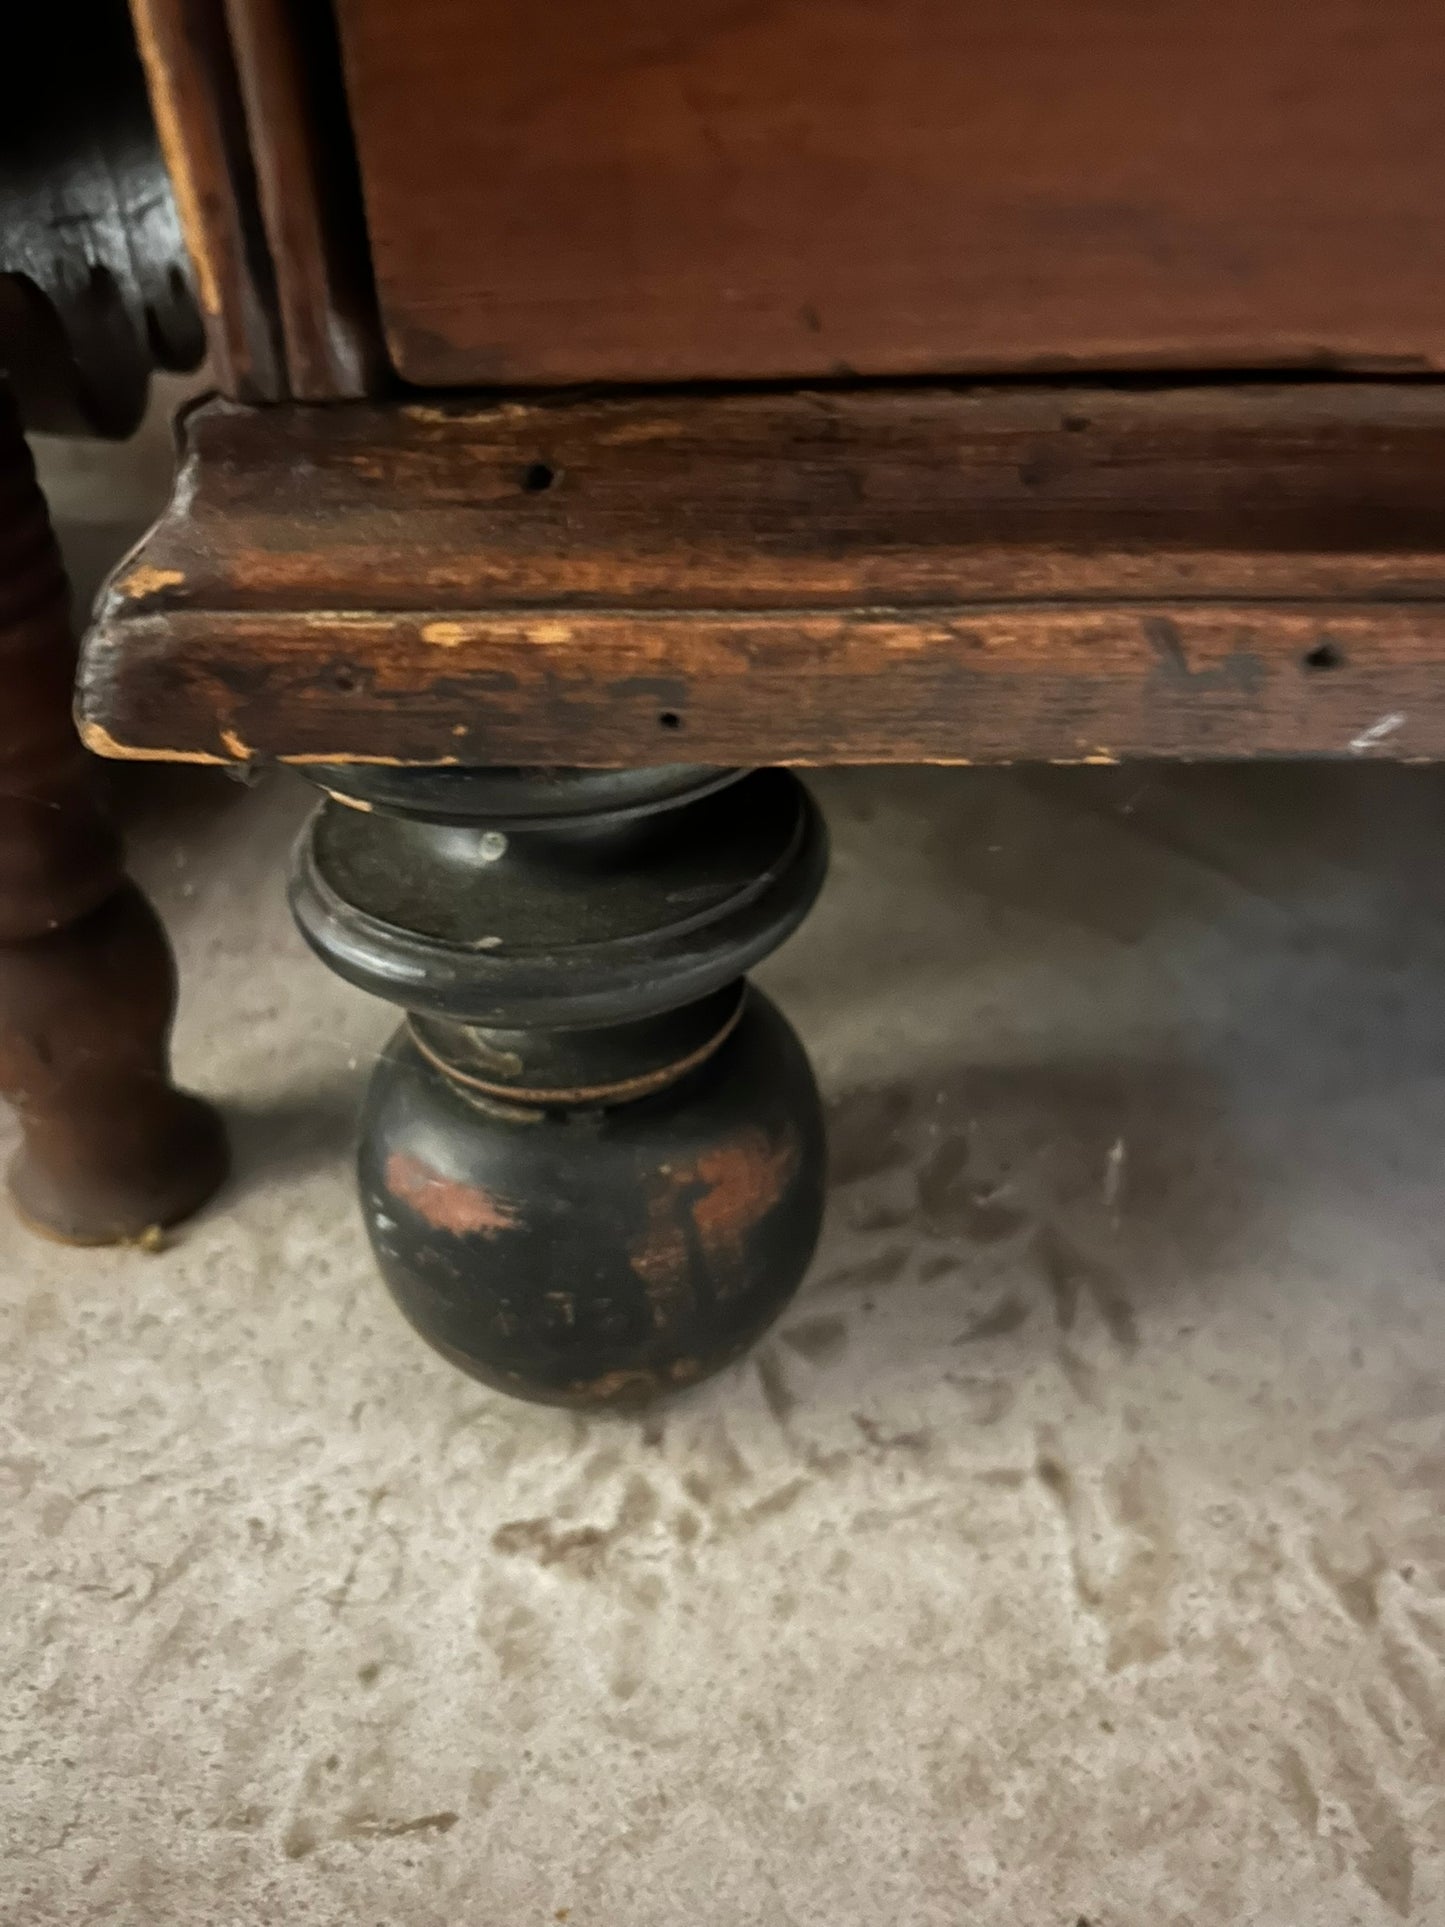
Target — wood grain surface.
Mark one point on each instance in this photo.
(873, 575)
(634, 189)
(288, 71)
(201, 125)
(252, 117)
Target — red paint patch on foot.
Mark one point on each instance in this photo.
(447, 1203)
(727, 1191)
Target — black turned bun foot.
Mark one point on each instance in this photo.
(592, 1160)
(604, 1254)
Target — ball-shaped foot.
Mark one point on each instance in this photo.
(602, 1254)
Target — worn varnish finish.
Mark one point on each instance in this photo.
(300, 140)
(87, 986)
(592, 1162)
(249, 103)
(867, 575)
(642, 190)
(194, 94)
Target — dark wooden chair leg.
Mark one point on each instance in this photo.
(87, 982)
(592, 1160)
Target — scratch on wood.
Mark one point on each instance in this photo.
(99, 741)
(1377, 732)
(146, 581)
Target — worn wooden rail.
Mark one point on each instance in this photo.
(848, 575)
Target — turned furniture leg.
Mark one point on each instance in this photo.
(87, 984)
(592, 1159)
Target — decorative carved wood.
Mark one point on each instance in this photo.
(252, 117)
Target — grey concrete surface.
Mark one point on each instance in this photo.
(1072, 1552)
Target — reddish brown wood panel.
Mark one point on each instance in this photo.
(886, 575)
(638, 189)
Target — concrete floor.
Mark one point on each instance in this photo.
(1073, 1551)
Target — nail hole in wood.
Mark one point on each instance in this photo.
(345, 680)
(1324, 655)
(670, 719)
(537, 476)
